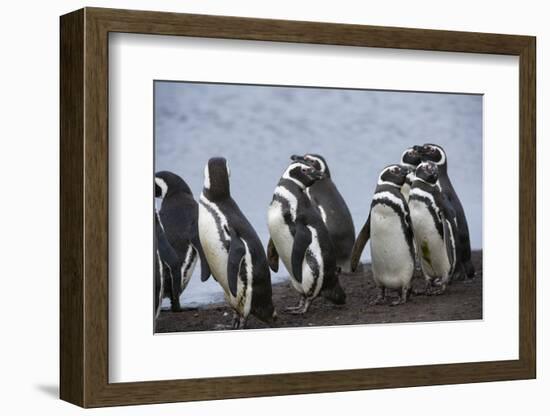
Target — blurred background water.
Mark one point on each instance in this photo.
(257, 128)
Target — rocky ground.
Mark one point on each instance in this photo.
(461, 301)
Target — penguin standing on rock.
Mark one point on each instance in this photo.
(233, 249)
(434, 228)
(389, 228)
(179, 218)
(301, 239)
(436, 154)
(333, 209)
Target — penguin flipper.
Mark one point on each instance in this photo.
(449, 229)
(205, 268)
(362, 239)
(167, 253)
(234, 261)
(272, 256)
(302, 240)
(171, 264)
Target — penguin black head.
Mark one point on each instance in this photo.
(303, 174)
(411, 157)
(427, 172)
(393, 175)
(432, 153)
(216, 178)
(317, 161)
(168, 183)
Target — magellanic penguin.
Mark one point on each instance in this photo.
(179, 217)
(391, 238)
(301, 239)
(436, 154)
(333, 209)
(410, 159)
(166, 263)
(233, 249)
(434, 228)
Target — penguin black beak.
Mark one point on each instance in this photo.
(418, 149)
(296, 158)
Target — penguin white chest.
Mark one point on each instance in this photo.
(211, 234)
(430, 245)
(280, 233)
(392, 262)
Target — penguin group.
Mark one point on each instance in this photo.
(415, 220)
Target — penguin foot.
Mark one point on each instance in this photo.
(381, 297)
(437, 291)
(302, 308)
(380, 300)
(399, 301)
(239, 322)
(292, 309)
(403, 298)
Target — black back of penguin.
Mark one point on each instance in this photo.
(339, 222)
(167, 263)
(179, 215)
(219, 193)
(435, 153)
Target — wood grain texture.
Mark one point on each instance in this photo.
(71, 100)
(84, 204)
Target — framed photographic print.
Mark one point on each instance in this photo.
(255, 207)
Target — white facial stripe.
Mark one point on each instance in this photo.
(223, 219)
(316, 159)
(403, 157)
(287, 176)
(162, 185)
(284, 193)
(228, 170)
(206, 177)
(442, 153)
(443, 157)
(391, 197)
(383, 182)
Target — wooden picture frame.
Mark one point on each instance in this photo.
(84, 207)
